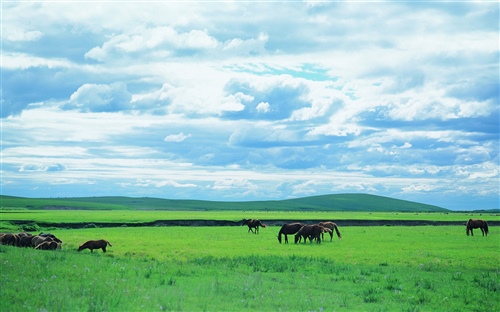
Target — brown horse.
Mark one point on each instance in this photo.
(48, 245)
(312, 232)
(289, 228)
(95, 244)
(474, 224)
(253, 225)
(332, 226)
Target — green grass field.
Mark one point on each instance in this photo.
(223, 268)
(131, 216)
(226, 269)
(336, 202)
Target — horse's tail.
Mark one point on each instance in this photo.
(109, 244)
(486, 227)
(467, 226)
(337, 231)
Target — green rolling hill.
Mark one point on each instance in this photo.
(334, 202)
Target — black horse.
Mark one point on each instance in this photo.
(474, 224)
(253, 225)
(289, 228)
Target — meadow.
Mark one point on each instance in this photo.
(420, 268)
(136, 216)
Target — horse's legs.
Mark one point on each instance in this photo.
(471, 232)
(286, 239)
(482, 230)
(103, 249)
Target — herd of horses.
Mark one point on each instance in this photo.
(316, 231)
(313, 232)
(302, 231)
(46, 241)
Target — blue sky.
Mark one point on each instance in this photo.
(246, 101)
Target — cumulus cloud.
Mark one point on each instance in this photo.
(402, 103)
(100, 98)
(165, 38)
(263, 107)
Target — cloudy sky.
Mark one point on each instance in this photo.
(233, 100)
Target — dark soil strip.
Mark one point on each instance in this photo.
(340, 223)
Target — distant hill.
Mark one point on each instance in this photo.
(335, 202)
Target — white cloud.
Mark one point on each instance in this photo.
(101, 98)
(146, 39)
(263, 107)
(20, 35)
(404, 103)
(180, 137)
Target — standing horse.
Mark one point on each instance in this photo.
(332, 226)
(289, 228)
(312, 232)
(253, 225)
(474, 224)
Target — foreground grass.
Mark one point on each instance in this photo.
(226, 269)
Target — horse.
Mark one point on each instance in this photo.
(312, 231)
(332, 226)
(289, 228)
(474, 224)
(48, 245)
(253, 224)
(95, 244)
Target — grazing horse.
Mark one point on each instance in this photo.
(289, 228)
(253, 224)
(332, 226)
(48, 245)
(313, 231)
(474, 224)
(95, 244)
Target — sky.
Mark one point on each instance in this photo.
(242, 101)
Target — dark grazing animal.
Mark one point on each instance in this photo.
(253, 225)
(474, 224)
(49, 245)
(25, 239)
(289, 228)
(37, 240)
(313, 232)
(332, 226)
(10, 239)
(95, 244)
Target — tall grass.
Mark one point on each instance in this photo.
(226, 269)
(67, 281)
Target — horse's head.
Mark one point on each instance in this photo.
(279, 238)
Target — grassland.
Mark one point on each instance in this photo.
(378, 268)
(337, 202)
(226, 269)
